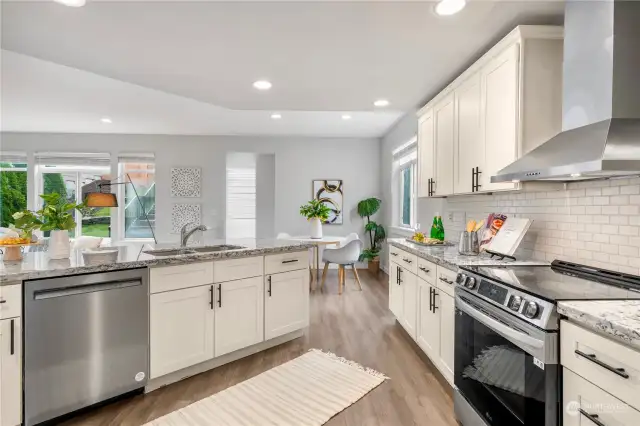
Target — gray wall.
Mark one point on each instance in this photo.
(298, 160)
(266, 196)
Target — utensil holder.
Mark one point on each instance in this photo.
(469, 244)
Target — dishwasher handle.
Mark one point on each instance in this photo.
(83, 289)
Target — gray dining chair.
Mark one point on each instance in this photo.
(347, 255)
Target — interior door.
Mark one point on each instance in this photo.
(469, 147)
(429, 322)
(10, 372)
(444, 118)
(410, 303)
(239, 315)
(500, 102)
(426, 152)
(396, 296)
(286, 303)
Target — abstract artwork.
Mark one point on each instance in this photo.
(181, 214)
(186, 182)
(330, 193)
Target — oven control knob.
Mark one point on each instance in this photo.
(470, 283)
(461, 278)
(531, 310)
(515, 303)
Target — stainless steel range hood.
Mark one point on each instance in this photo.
(601, 98)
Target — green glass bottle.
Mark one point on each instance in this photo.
(434, 228)
(440, 229)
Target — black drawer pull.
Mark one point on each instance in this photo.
(407, 260)
(220, 295)
(211, 297)
(425, 270)
(591, 357)
(394, 254)
(592, 417)
(444, 280)
(290, 261)
(3, 301)
(269, 289)
(13, 337)
(435, 293)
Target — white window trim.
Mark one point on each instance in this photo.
(399, 165)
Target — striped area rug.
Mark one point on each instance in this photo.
(306, 391)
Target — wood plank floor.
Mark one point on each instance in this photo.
(358, 326)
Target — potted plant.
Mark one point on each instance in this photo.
(316, 212)
(377, 234)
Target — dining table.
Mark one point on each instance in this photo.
(326, 240)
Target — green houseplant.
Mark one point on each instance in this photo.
(316, 212)
(376, 232)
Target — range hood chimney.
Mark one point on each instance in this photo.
(601, 98)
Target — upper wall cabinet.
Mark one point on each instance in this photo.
(503, 106)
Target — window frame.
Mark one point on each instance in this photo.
(121, 194)
(407, 161)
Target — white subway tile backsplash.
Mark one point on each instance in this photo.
(630, 230)
(614, 190)
(629, 251)
(630, 210)
(630, 189)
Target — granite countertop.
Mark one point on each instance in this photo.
(449, 257)
(39, 265)
(617, 318)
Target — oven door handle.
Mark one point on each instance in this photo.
(515, 336)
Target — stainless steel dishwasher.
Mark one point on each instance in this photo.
(86, 340)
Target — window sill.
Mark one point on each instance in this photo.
(401, 230)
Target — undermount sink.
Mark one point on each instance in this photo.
(192, 250)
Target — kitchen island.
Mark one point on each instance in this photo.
(196, 311)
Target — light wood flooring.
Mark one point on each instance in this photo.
(358, 326)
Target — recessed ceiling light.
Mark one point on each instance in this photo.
(450, 7)
(72, 3)
(346, 117)
(381, 103)
(106, 120)
(276, 116)
(262, 85)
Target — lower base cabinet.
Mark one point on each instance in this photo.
(429, 322)
(396, 297)
(286, 303)
(409, 288)
(10, 372)
(447, 334)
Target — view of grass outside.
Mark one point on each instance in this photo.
(13, 191)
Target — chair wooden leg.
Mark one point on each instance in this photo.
(340, 278)
(324, 275)
(355, 274)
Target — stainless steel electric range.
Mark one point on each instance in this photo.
(506, 344)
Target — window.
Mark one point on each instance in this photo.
(137, 215)
(13, 186)
(66, 174)
(404, 184)
(241, 195)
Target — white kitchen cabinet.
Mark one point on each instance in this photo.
(286, 306)
(10, 372)
(396, 297)
(409, 288)
(428, 337)
(426, 151)
(444, 121)
(239, 315)
(181, 329)
(446, 305)
(469, 150)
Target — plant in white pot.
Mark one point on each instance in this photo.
(316, 212)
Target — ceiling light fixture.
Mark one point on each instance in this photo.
(72, 3)
(262, 85)
(346, 117)
(276, 116)
(450, 7)
(106, 120)
(381, 103)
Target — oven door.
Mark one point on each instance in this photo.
(505, 368)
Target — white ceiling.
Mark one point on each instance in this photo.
(187, 67)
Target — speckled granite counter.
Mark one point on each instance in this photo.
(38, 265)
(617, 318)
(449, 257)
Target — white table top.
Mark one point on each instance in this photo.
(326, 239)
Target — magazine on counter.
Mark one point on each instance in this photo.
(492, 226)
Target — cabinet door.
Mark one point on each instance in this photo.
(500, 102)
(444, 119)
(181, 326)
(469, 146)
(428, 323)
(396, 297)
(409, 287)
(286, 303)
(446, 305)
(426, 151)
(239, 315)
(10, 372)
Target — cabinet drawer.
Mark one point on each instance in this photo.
(395, 254)
(237, 269)
(408, 261)
(427, 271)
(286, 262)
(169, 278)
(582, 399)
(613, 366)
(10, 301)
(446, 280)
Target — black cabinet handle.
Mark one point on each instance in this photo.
(430, 299)
(2, 301)
(423, 269)
(592, 417)
(407, 260)
(290, 261)
(220, 295)
(473, 180)
(269, 288)
(444, 280)
(591, 357)
(394, 254)
(435, 293)
(13, 337)
(211, 297)
(399, 275)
